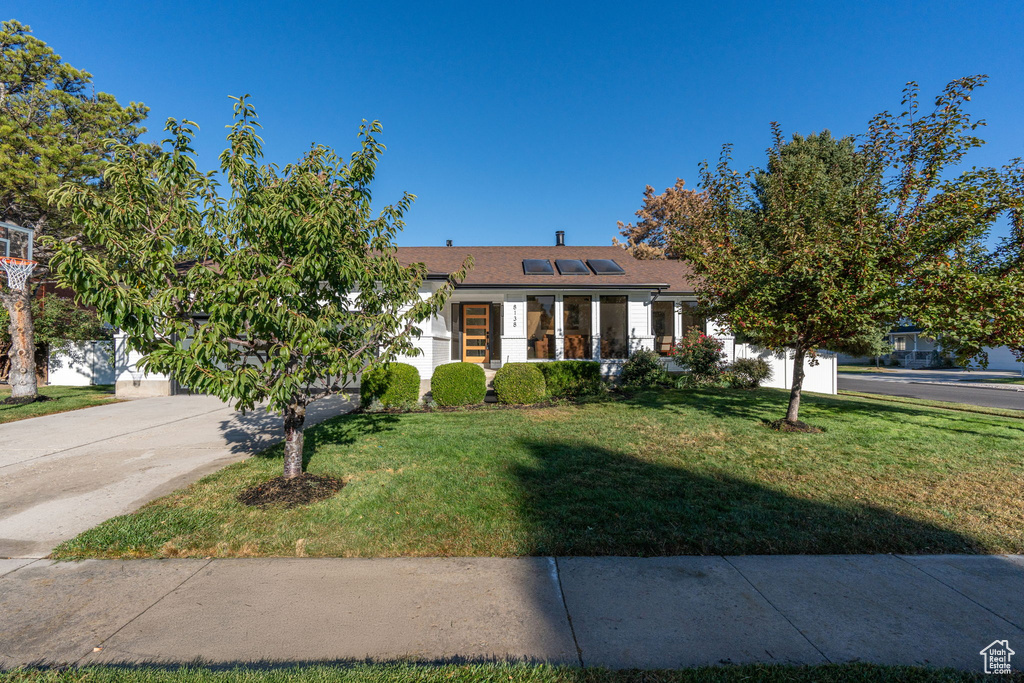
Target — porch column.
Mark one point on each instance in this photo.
(513, 338)
(595, 326)
(559, 328)
(638, 312)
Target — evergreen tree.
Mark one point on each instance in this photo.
(53, 130)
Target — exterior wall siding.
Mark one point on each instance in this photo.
(1002, 358)
(132, 382)
(639, 312)
(513, 338)
(81, 364)
(821, 378)
(436, 345)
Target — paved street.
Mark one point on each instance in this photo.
(62, 474)
(608, 611)
(962, 392)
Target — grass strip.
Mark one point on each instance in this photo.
(61, 400)
(944, 405)
(505, 673)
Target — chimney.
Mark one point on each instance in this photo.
(559, 238)
(447, 243)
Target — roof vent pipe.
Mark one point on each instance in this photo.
(559, 238)
(447, 243)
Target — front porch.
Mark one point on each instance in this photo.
(492, 328)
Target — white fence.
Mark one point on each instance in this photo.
(81, 364)
(821, 378)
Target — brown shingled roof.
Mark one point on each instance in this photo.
(503, 266)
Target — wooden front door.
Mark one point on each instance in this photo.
(476, 329)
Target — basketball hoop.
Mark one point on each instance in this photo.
(18, 271)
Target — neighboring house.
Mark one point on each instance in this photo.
(910, 348)
(537, 304)
(913, 349)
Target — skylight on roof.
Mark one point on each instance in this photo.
(605, 266)
(537, 266)
(571, 267)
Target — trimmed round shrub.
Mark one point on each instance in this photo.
(643, 370)
(458, 384)
(748, 373)
(519, 383)
(392, 385)
(571, 378)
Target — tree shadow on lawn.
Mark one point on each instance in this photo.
(764, 405)
(581, 499)
(344, 430)
(256, 430)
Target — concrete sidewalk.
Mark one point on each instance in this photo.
(615, 612)
(65, 473)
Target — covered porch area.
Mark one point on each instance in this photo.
(493, 328)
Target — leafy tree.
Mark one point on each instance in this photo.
(53, 129)
(660, 220)
(953, 281)
(789, 256)
(292, 287)
(830, 244)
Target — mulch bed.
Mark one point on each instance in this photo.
(302, 490)
(798, 426)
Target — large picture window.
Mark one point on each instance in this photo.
(614, 328)
(540, 327)
(663, 325)
(576, 325)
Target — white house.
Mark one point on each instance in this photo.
(538, 304)
(912, 348)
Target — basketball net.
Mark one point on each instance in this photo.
(18, 271)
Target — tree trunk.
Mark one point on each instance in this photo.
(22, 376)
(294, 436)
(793, 413)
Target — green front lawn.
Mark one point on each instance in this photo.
(676, 472)
(62, 399)
(505, 673)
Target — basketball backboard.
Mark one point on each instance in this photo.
(15, 241)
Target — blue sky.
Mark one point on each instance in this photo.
(510, 121)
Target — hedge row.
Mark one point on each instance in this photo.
(396, 385)
(571, 378)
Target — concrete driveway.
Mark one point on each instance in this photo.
(62, 474)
